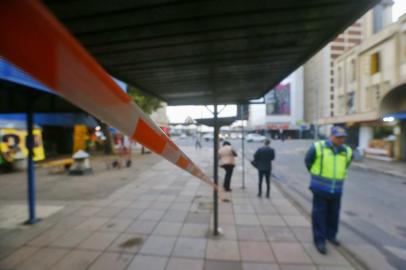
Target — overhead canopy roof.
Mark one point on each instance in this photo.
(202, 52)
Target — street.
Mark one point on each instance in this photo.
(373, 215)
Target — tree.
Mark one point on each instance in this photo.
(147, 103)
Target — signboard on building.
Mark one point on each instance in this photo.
(278, 100)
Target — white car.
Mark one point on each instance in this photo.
(254, 137)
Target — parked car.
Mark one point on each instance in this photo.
(254, 137)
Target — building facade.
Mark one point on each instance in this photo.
(319, 71)
(282, 111)
(370, 87)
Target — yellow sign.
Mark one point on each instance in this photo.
(12, 144)
(80, 136)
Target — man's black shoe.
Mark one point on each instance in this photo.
(321, 248)
(335, 242)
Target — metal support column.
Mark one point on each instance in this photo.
(215, 169)
(31, 169)
(242, 147)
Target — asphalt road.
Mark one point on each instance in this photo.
(373, 213)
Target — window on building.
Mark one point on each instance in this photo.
(377, 18)
(375, 63)
(341, 105)
(372, 98)
(350, 103)
(352, 70)
(404, 46)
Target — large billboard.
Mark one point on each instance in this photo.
(278, 100)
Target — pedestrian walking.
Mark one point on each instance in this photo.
(227, 162)
(327, 161)
(263, 158)
(198, 142)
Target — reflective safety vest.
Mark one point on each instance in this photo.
(329, 169)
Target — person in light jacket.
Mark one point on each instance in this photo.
(227, 162)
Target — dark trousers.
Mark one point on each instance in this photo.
(261, 175)
(325, 216)
(227, 178)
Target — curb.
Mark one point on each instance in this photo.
(366, 168)
(354, 260)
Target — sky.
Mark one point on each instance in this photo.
(398, 9)
(178, 114)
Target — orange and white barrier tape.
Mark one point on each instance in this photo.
(34, 40)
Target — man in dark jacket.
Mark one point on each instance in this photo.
(263, 162)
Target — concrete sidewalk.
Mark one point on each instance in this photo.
(161, 220)
(395, 168)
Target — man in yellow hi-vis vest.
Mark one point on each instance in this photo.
(327, 162)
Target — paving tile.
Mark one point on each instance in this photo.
(243, 209)
(142, 227)
(175, 216)
(226, 219)
(159, 205)
(335, 268)
(69, 222)
(92, 224)
(184, 264)
(98, 241)
(158, 245)
(228, 232)
(108, 212)
(178, 206)
(246, 220)
(303, 234)
(129, 213)
(271, 220)
(190, 247)
(297, 267)
(47, 237)
(222, 265)
(222, 250)
(5, 251)
(111, 261)
(194, 230)
(140, 204)
(116, 225)
(251, 233)
(87, 211)
(198, 218)
(279, 234)
(153, 215)
(333, 258)
(17, 256)
(78, 260)
(19, 237)
(260, 266)
(287, 209)
(168, 229)
(226, 208)
(256, 252)
(71, 239)
(128, 243)
(43, 259)
(296, 221)
(290, 253)
(142, 262)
